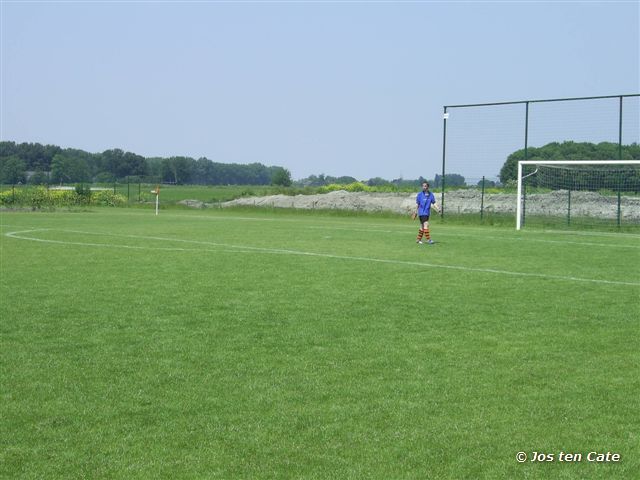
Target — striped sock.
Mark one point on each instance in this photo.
(420, 232)
(426, 234)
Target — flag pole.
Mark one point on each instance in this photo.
(157, 192)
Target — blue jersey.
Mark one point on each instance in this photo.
(424, 202)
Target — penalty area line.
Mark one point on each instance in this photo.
(455, 267)
(19, 236)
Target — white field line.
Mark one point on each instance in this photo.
(447, 232)
(447, 229)
(246, 249)
(490, 237)
(318, 222)
(19, 236)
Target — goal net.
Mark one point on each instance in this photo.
(578, 193)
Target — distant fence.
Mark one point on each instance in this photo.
(136, 189)
(132, 189)
(478, 138)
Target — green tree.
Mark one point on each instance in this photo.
(12, 170)
(406, 183)
(104, 177)
(39, 178)
(177, 169)
(450, 180)
(344, 180)
(8, 148)
(204, 172)
(36, 155)
(377, 182)
(487, 183)
(314, 181)
(87, 159)
(154, 166)
(68, 169)
(122, 164)
(281, 176)
(133, 164)
(111, 161)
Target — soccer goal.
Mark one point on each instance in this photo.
(578, 192)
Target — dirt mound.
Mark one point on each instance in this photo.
(457, 201)
(339, 200)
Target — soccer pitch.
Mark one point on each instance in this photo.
(261, 344)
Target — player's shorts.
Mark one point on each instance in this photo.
(424, 218)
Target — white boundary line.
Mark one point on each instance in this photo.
(350, 221)
(17, 236)
(445, 230)
(245, 249)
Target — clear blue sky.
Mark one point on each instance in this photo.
(341, 88)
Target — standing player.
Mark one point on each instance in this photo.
(424, 200)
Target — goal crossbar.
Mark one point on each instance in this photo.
(563, 163)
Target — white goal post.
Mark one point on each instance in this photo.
(558, 163)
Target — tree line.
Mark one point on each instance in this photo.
(50, 164)
(321, 180)
(39, 164)
(45, 164)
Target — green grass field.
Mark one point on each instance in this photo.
(258, 344)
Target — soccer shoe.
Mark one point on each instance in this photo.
(419, 241)
(430, 242)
